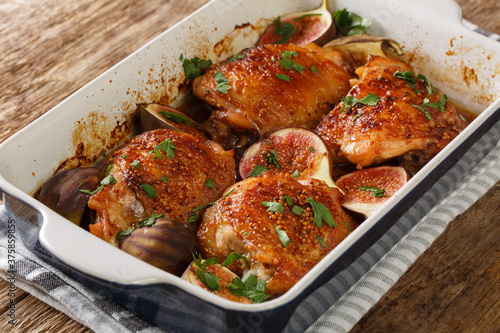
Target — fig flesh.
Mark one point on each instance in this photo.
(166, 244)
(63, 191)
(367, 189)
(224, 275)
(356, 49)
(154, 116)
(291, 150)
(301, 28)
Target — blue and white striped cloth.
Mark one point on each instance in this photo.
(335, 307)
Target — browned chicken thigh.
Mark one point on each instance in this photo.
(408, 116)
(273, 86)
(282, 226)
(161, 172)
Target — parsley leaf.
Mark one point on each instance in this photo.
(235, 57)
(321, 241)
(374, 191)
(177, 117)
(285, 30)
(164, 179)
(193, 67)
(288, 200)
(250, 287)
(222, 83)
(257, 171)
(94, 191)
(276, 207)
(109, 179)
(306, 15)
(233, 257)
(167, 146)
(150, 190)
(283, 237)
(314, 69)
(210, 183)
(370, 99)
(297, 210)
(271, 157)
(349, 24)
(210, 280)
(136, 164)
(295, 174)
(283, 77)
(427, 114)
(321, 213)
(149, 221)
(348, 226)
(440, 105)
(288, 63)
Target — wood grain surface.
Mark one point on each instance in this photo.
(50, 48)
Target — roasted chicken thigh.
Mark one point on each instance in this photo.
(273, 86)
(409, 117)
(282, 226)
(160, 172)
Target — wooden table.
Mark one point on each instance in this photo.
(50, 48)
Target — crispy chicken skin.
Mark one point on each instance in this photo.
(148, 181)
(260, 102)
(239, 222)
(365, 135)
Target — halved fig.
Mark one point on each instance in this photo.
(356, 49)
(367, 189)
(293, 150)
(301, 28)
(224, 275)
(166, 244)
(154, 116)
(63, 191)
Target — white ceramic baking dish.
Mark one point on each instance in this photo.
(465, 65)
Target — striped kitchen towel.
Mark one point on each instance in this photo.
(335, 307)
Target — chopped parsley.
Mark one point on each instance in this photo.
(427, 114)
(149, 189)
(374, 191)
(136, 164)
(250, 287)
(288, 200)
(439, 105)
(349, 101)
(349, 24)
(236, 57)
(297, 210)
(357, 116)
(321, 213)
(167, 146)
(283, 237)
(285, 30)
(222, 83)
(321, 241)
(194, 67)
(149, 221)
(109, 179)
(177, 117)
(228, 192)
(283, 77)
(210, 280)
(164, 179)
(348, 226)
(312, 149)
(257, 171)
(295, 174)
(306, 15)
(94, 191)
(314, 69)
(276, 207)
(288, 63)
(410, 78)
(271, 157)
(233, 257)
(210, 183)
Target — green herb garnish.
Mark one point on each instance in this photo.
(250, 287)
(167, 146)
(356, 116)
(295, 174)
(228, 192)
(321, 213)
(440, 105)
(297, 210)
(149, 189)
(285, 30)
(109, 179)
(288, 63)
(236, 57)
(94, 191)
(136, 164)
(427, 114)
(370, 99)
(374, 191)
(210, 280)
(222, 83)
(194, 67)
(149, 221)
(321, 241)
(314, 69)
(306, 15)
(276, 207)
(283, 237)
(348, 226)
(271, 157)
(283, 77)
(177, 117)
(257, 171)
(233, 257)
(288, 200)
(312, 149)
(210, 183)
(164, 179)
(349, 24)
